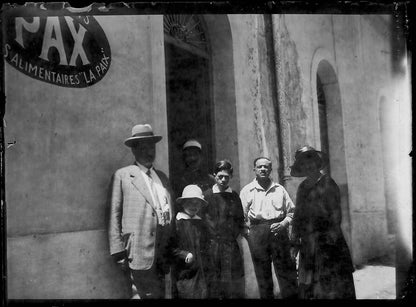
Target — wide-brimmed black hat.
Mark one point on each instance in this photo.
(307, 152)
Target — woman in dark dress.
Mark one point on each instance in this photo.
(225, 218)
(188, 246)
(325, 265)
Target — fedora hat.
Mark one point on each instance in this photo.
(142, 133)
(192, 191)
(307, 152)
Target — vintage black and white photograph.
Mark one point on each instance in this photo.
(207, 150)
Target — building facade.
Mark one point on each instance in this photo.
(245, 85)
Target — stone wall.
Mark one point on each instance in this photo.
(349, 45)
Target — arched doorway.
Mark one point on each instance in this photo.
(188, 88)
(331, 134)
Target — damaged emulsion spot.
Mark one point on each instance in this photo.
(11, 144)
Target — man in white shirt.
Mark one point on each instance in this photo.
(268, 212)
(140, 217)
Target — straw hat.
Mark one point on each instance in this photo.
(307, 152)
(192, 143)
(192, 191)
(142, 133)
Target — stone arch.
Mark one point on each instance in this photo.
(323, 68)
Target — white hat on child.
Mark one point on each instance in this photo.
(192, 191)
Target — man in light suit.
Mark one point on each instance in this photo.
(140, 216)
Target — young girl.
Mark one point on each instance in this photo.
(189, 247)
(225, 218)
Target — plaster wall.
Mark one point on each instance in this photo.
(69, 141)
(351, 43)
(294, 52)
(399, 170)
(256, 125)
(255, 112)
(298, 31)
(360, 83)
(71, 265)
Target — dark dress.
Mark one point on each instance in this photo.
(325, 265)
(190, 279)
(225, 218)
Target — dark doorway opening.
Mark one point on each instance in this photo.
(323, 124)
(188, 103)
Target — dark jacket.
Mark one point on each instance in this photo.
(190, 235)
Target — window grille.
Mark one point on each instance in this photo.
(187, 29)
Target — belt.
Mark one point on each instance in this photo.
(271, 221)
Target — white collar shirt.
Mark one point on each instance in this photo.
(160, 189)
(266, 204)
(183, 216)
(216, 189)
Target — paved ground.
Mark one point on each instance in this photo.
(377, 279)
(375, 282)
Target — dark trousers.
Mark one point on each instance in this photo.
(227, 281)
(266, 248)
(148, 284)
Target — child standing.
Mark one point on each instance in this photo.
(189, 246)
(225, 218)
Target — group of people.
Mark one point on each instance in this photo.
(196, 237)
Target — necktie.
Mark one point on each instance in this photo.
(158, 205)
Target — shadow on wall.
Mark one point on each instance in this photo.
(107, 209)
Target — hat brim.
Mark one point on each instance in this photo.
(137, 139)
(203, 202)
(297, 171)
(190, 147)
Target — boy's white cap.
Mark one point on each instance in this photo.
(192, 143)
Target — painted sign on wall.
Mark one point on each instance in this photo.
(68, 51)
